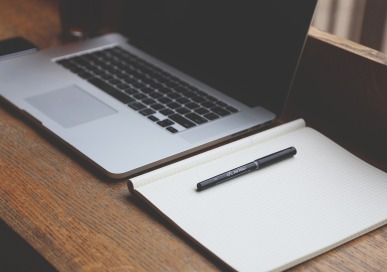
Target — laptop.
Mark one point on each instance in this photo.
(182, 76)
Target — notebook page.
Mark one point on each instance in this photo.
(281, 215)
(216, 153)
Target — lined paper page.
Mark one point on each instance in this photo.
(216, 153)
(281, 215)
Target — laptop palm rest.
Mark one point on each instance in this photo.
(70, 106)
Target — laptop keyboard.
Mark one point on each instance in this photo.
(164, 99)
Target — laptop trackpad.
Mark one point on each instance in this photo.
(70, 106)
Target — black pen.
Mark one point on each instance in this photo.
(247, 168)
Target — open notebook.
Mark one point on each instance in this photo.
(276, 217)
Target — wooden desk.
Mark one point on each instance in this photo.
(60, 214)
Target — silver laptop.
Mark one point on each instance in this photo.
(190, 74)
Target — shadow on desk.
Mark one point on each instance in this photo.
(16, 255)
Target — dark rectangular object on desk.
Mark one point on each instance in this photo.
(15, 47)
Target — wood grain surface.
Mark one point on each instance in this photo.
(58, 213)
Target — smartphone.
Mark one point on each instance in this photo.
(15, 47)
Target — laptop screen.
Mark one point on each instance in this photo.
(247, 49)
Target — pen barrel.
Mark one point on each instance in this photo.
(276, 157)
(236, 172)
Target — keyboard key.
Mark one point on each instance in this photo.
(121, 86)
(201, 111)
(208, 104)
(166, 112)
(173, 95)
(65, 62)
(147, 90)
(192, 105)
(131, 91)
(157, 106)
(231, 109)
(183, 111)
(165, 123)
(140, 96)
(111, 90)
(85, 75)
(114, 81)
(153, 118)
(157, 86)
(164, 100)
(220, 111)
(137, 106)
(165, 90)
(196, 118)
(182, 100)
(211, 98)
(138, 85)
(172, 129)
(189, 94)
(198, 99)
(211, 116)
(173, 105)
(155, 95)
(172, 84)
(76, 69)
(147, 112)
(148, 101)
(182, 120)
(222, 104)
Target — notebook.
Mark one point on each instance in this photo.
(278, 216)
(182, 76)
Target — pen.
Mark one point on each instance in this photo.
(247, 168)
